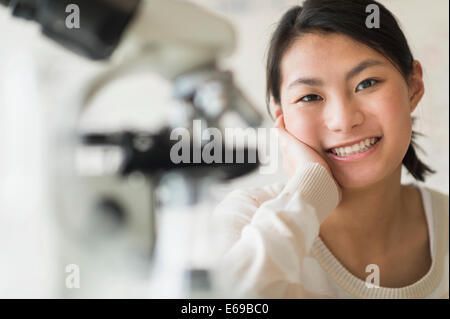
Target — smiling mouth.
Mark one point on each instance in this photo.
(360, 147)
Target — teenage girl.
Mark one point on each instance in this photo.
(343, 225)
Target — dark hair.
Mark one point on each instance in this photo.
(347, 17)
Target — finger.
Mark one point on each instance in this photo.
(282, 123)
(278, 121)
(283, 137)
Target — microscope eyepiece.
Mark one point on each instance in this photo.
(25, 9)
(103, 22)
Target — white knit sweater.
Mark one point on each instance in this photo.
(273, 249)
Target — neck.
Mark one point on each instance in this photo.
(370, 217)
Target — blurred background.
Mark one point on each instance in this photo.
(52, 76)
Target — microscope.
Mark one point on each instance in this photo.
(132, 230)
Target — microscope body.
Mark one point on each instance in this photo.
(110, 222)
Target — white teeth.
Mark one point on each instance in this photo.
(356, 148)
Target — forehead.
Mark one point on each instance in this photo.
(316, 54)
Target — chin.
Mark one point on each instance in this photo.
(362, 179)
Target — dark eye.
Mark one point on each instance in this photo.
(310, 98)
(365, 84)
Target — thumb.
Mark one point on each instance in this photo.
(279, 122)
(281, 129)
(284, 137)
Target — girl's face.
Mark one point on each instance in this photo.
(337, 92)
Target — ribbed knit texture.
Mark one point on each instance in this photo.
(275, 250)
(316, 187)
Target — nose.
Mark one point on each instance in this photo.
(343, 115)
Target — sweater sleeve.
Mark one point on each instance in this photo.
(271, 230)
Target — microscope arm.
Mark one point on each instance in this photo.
(173, 36)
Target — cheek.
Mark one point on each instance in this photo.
(302, 126)
(393, 113)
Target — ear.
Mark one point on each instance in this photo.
(276, 108)
(416, 87)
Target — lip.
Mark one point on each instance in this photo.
(354, 142)
(357, 156)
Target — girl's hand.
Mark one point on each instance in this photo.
(295, 151)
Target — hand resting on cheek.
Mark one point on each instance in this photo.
(295, 151)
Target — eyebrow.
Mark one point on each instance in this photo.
(350, 74)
